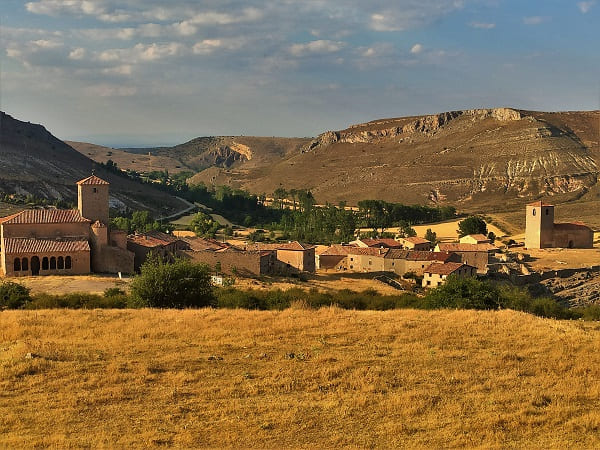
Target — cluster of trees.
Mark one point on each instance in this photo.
(326, 225)
(474, 225)
(379, 214)
(32, 200)
(139, 222)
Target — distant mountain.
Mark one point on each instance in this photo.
(33, 161)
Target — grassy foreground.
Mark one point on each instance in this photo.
(297, 378)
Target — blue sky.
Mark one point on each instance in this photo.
(148, 72)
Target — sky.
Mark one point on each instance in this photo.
(149, 72)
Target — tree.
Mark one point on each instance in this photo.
(472, 225)
(431, 236)
(491, 236)
(13, 295)
(203, 225)
(279, 195)
(464, 293)
(405, 230)
(181, 284)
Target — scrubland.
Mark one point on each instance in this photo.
(297, 378)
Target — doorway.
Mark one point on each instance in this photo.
(35, 265)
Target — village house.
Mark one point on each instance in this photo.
(367, 259)
(156, 242)
(542, 232)
(292, 257)
(477, 255)
(404, 261)
(414, 243)
(436, 274)
(334, 257)
(475, 239)
(233, 261)
(70, 242)
(376, 243)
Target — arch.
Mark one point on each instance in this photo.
(35, 265)
(533, 212)
(24, 264)
(68, 263)
(17, 265)
(45, 263)
(52, 263)
(60, 264)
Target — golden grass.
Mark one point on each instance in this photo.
(297, 378)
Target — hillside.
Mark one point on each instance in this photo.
(33, 161)
(296, 378)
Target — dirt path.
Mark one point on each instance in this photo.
(95, 284)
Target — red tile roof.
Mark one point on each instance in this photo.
(539, 203)
(295, 245)
(572, 226)
(338, 250)
(456, 247)
(153, 239)
(384, 242)
(416, 240)
(93, 180)
(199, 244)
(445, 268)
(370, 251)
(32, 245)
(39, 216)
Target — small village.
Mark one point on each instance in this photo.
(43, 242)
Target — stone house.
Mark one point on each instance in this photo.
(404, 261)
(414, 243)
(542, 232)
(156, 242)
(436, 274)
(475, 239)
(334, 257)
(247, 263)
(477, 255)
(367, 259)
(71, 242)
(292, 257)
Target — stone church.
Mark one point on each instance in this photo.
(65, 242)
(542, 232)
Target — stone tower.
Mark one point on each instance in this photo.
(539, 225)
(92, 199)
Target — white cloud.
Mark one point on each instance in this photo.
(206, 46)
(534, 20)
(319, 46)
(584, 7)
(482, 25)
(45, 43)
(77, 54)
(416, 49)
(111, 90)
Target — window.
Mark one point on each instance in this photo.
(17, 265)
(61, 262)
(53, 263)
(95, 190)
(533, 212)
(24, 264)
(547, 211)
(45, 263)
(351, 259)
(68, 262)
(370, 262)
(428, 282)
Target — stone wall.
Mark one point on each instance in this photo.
(249, 264)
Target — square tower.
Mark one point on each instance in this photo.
(539, 225)
(92, 199)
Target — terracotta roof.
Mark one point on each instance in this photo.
(539, 203)
(199, 244)
(456, 247)
(572, 226)
(32, 245)
(92, 180)
(338, 250)
(295, 245)
(415, 240)
(370, 251)
(419, 255)
(39, 216)
(152, 239)
(445, 268)
(384, 242)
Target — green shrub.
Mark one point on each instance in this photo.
(77, 300)
(591, 312)
(463, 293)
(181, 284)
(113, 291)
(13, 295)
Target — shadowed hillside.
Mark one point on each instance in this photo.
(33, 161)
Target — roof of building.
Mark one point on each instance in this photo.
(39, 216)
(294, 245)
(415, 240)
(478, 237)
(418, 255)
(33, 245)
(369, 251)
(572, 226)
(539, 203)
(382, 242)
(444, 268)
(152, 239)
(92, 180)
(200, 244)
(459, 247)
(338, 250)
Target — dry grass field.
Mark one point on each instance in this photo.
(297, 378)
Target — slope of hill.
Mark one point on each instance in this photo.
(297, 379)
(33, 161)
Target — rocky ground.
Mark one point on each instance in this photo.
(581, 289)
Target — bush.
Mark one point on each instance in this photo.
(77, 300)
(181, 284)
(13, 295)
(472, 225)
(464, 293)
